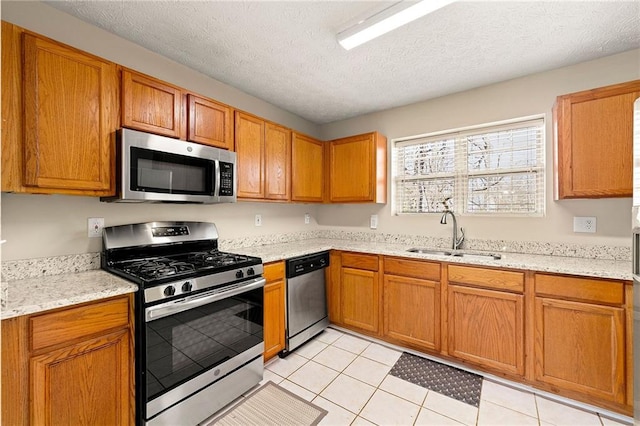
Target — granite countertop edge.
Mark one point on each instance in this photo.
(34, 295)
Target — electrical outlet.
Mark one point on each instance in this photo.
(94, 227)
(307, 218)
(584, 224)
(373, 224)
(258, 220)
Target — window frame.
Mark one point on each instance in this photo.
(461, 174)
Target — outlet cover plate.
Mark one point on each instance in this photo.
(584, 224)
(94, 227)
(307, 218)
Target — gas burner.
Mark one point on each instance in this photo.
(215, 258)
(158, 268)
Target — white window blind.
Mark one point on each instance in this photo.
(490, 169)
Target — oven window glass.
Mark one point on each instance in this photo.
(183, 345)
(170, 173)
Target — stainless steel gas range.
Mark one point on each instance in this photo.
(199, 318)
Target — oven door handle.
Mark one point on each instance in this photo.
(181, 305)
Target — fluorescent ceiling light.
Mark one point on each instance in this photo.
(389, 19)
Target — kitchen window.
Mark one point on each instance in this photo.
(492, 169)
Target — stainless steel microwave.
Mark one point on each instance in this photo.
(152, 168)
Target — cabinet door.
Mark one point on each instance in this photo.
(307, 169)
(71, 111)
(83, 384)
(486, 327)
(250, 155)
(580, 347)
(360, 299)
(357, 169)
(594, 142)
(274, 310)
(412, 311)
(151, 105)
(277, 162)
(210, 123)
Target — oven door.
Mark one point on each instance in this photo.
(197, 340)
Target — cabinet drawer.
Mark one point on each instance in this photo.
(360, 261)
(274, 271)
(70, 324)
(412, 268)
(584, 289)
(488, 278)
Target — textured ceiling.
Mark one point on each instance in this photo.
(286, 53)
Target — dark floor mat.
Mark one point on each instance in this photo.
(449, 381)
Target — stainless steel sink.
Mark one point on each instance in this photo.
(429, 251)
(479, 256)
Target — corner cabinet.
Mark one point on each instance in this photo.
(594, 141)
(307, 169)
(60, 111)
(274, 309)
(358, 169)
(580, 333)
(70, 366)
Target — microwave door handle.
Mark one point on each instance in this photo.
(167, 309)
(216, 178)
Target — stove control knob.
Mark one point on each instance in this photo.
(187, 287)
(239, 274)
(250, 271)
(169, 290)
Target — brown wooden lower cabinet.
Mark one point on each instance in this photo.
(360, 292)
(573, 332)
(486, 327)
(274, 309)
(411, 297)
(580, 345)
(70, 366)
(412, 311)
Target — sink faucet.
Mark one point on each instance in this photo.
(456, 242)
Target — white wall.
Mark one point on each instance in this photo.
(534, 94)
(39, 225)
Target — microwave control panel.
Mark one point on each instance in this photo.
(226, 178)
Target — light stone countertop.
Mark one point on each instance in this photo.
(38, 294)
(32, 295)
(600, 268)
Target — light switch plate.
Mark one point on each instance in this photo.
(94, 227)
(307, 218)
(374, 221)
(258, 220)
(584, 224)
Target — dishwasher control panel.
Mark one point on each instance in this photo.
(304, 264)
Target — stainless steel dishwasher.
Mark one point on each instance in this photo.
(306, 299)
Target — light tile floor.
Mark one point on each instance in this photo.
(348, 376)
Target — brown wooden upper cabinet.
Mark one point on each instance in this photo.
(154, 106)
(264, 158)
(594, 138)
(307, 169)
(59, 114)
(358, 169)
